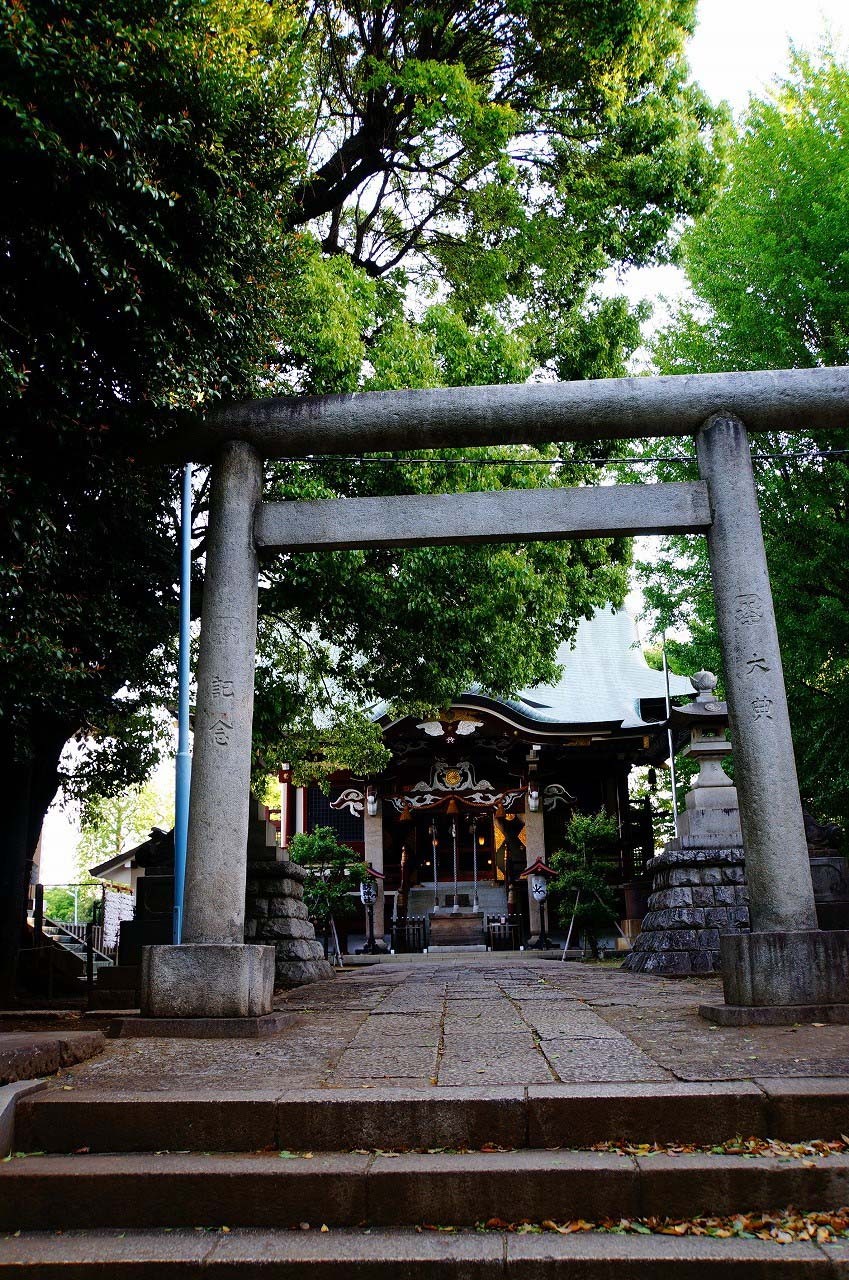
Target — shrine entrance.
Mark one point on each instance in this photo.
(475, 849)
(440, 844)
(785, 959)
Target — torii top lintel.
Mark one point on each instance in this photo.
(526, 413)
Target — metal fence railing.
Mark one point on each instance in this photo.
(409, 935)
(81, 933)
(97, 911)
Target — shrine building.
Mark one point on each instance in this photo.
(470, 799)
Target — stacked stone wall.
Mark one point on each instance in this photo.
(276, 914)
(697, 894)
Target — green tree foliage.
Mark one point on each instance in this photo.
(502, 157)
(146, 154)
(334, 872)
(769, 267)
(514, 148)
(112, 824)
(72, 905)
(224, 198)
(582, 887)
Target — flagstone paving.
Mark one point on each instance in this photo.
(472, 1022)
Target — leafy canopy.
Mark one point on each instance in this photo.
(769, 269)
(470, 173)
(112, 825)
(222, 198)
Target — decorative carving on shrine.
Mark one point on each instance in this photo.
(350, 799)
(555, 796)
(454, 782)
(450, 730)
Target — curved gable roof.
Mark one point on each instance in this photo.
(605, 676)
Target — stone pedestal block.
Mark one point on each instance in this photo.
(809, 967)
(207, 980)
(697, 895)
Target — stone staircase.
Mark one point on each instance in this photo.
(399, 1184)
(73, 953)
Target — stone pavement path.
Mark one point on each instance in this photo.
(475, 1022)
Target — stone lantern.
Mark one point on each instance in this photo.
(699, 880)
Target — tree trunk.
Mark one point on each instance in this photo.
(32, 781)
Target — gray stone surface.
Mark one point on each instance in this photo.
(606, 1059)
(218, 817)
(10, 1097)
(203, 1028)
(604, 408)
(799, 968)
(773, 1015)
(414, 1255)
(656, 1016)
(275, 913)
(207, 980)
(26, 1053)
(688, 909)
(395, 1059)
(778, 870)
(592, 1256)
(503, 516)
(507, 1057)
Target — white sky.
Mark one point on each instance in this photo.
(739, 46)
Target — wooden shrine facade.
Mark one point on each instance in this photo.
(489, 786)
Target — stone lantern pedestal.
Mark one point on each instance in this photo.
(699, 887)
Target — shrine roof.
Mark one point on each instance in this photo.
(605, 677)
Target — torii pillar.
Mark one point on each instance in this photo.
(213, 973)
(785, 960)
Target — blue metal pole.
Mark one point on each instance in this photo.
(184, 759)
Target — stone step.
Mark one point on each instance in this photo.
(436, 956)
(429, 1255)
(114, 998)
(25, 1055)
(119, 976)
(346, 1189)
(452, 950)
(578, 1115)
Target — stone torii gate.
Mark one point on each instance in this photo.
(785, 960)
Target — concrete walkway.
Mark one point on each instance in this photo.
(476, 1022)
